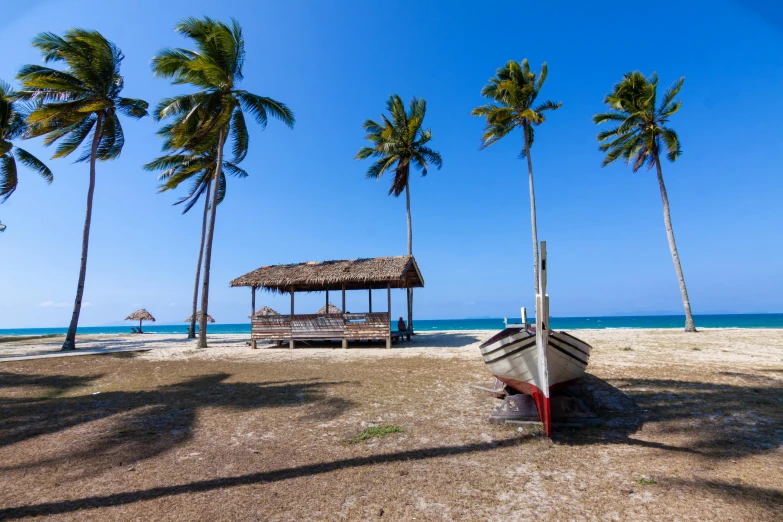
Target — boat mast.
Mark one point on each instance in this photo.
(542, 337)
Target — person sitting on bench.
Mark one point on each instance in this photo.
(401, 325)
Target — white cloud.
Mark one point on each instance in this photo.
(50, 304)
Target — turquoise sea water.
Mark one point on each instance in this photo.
(558, 323)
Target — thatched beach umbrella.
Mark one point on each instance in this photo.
(265, 311)
(332, 310)
(140, 315)
(198, 314)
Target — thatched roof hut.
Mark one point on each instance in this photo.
(332, 310)
(265, 311)
(198, 315)
(140, 315)
(353, 274)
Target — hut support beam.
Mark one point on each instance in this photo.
(253, 342)
(388, 307)
(291, 342)
(409, 291)
(345, 341)
(327, 302)
(369, 293)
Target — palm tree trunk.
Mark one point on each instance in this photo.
(202, 334)
(410, 250)
(70, 337)
(192, 331)
(533, 224)
(667, 219)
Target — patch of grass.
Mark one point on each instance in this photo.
(375, 431)
(626, 349)
(645, 481)
(696, 349)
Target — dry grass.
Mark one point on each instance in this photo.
(687, 435)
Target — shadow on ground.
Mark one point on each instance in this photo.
(116, 499)
(143, 423)
(718, 421)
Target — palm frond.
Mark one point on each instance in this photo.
(33, 163)
(8, 176)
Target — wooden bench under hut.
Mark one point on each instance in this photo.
(355, 274)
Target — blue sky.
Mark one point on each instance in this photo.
(335, 64)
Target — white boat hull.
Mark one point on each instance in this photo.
(512, 357)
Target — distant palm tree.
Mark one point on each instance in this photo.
(514, 91)
(2, 227)
(73, 103)
(176, 168)
(641, 127)
(13, 126)
(215, 111)
(398, 142)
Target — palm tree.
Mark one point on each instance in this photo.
(514, 91)
(2, 227)
(637, 139)
(396, 143)
(13, 126)
(200, 167)
(74, 103)
(215, 111)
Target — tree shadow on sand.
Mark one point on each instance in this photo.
(263, 477)
(143, 424)
(717, 421)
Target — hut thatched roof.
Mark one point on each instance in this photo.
(265, 311)
(198, 317)
(140, 315)
(355, 274)
(332, 310)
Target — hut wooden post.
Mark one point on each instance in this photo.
(388, 307)
(253, 342)
(291, 342)
(409, 291)
(369, 293)
(345, 341)
(327, 302)
(140, 320)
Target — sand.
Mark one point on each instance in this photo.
(715, 346)
(692, 429)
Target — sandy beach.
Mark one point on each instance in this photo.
(691, 429)
(615, 347)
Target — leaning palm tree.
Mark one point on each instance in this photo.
(514, 91)
(81, 100)
(397, 142)
(13, 125)
(638, 139)
(214, 112)
(200, 168)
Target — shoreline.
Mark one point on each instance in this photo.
(724, 345)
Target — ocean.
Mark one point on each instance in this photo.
(427, 325)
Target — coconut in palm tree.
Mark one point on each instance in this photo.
(13, 125)
(398, 141)
(79, 104)
(215, 112)
(641, 134)
(514, 93)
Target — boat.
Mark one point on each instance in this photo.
(535, 360)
